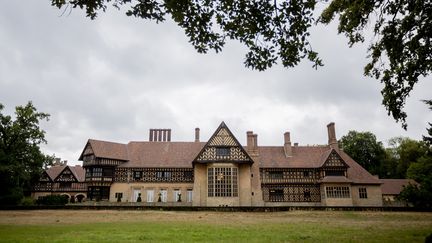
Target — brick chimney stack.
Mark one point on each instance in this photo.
(332, 141)
(160, 135)
(197, 134)
(287, 144)
(252, 142)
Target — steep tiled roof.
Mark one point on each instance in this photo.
(312, 157)
(162, 154)
(302, 156)
(77, 170)
(104, 149)
(182, 154)
(395, 186)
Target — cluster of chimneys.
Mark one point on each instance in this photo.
(252, 140)
(57, 161)
(164, 135)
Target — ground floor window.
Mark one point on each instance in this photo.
(150, 195)
(222, 182)
(362, 192)
(337, 192)
(98, 193)
(177, 196)
(189, 195)
(162, 196)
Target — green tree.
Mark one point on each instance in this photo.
(364, 148)
(400, 51)
(21, 161)
(406, 151)
(428, 138)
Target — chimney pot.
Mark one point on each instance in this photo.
(332, 141)
(287, 144)
(197, 134)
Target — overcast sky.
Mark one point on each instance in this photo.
(116, 77)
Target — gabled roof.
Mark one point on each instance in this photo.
(223, 137)
(54, 171)
(312, 157)
(105, 149)
(395, 186)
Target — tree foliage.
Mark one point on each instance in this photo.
(364, 148)
(21, 160)
(400, 51)
(270, 30)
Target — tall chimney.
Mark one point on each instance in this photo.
(197, 134)
(287, 144)
(160, 135)
(255, 141)
(332, 141)
(249, 142)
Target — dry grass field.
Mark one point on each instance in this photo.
(169, 226)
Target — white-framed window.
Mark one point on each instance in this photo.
(163, 195)
(337, 192)
(176, 195)
(189, 195)
(363, 193)
(222, 182)
(150, 196)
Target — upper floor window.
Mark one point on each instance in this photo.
(137, 175)
(276, 174)
(335, 173)
(222, 151)
(163, 174)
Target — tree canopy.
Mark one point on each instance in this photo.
(364, 149)
(21, 161)
(400, 51)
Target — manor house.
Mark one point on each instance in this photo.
(222, 172)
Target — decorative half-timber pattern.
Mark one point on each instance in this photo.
(222, 138)
(235, 154)
(277, 175)
(66, 175)
(60, 187)
(334, 160)
(291, 193)
(223, 147)
(171, 175)
(90, 160)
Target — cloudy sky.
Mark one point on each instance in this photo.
(115, 77)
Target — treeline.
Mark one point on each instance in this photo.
(402, 158)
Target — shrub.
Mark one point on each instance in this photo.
(52, 200)
(27, 201)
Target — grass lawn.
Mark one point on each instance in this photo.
(161, 226)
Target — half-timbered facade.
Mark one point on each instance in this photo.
(222, 172)
(61, 179)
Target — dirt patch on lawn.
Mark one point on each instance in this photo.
(360, 219)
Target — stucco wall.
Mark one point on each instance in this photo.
(374, 195)
(335, 201)
(128, 188)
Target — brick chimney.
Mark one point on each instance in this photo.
(252, 142)
(332, 141)
(160, 135)
(197, 134)
(287, 144)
